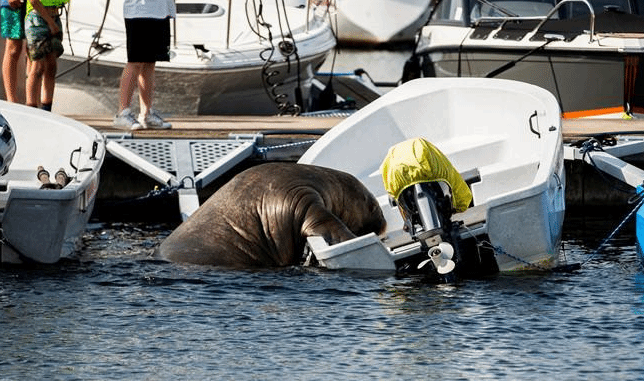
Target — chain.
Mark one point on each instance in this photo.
(263, 150)
(499, 251)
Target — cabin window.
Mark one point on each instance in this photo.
(204, 9)
(577, 9)
(450, 11)
(617, 5)
(510, 8)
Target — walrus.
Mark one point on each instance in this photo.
(262, 216)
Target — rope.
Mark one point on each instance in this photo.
(594, 144)
(618, 228)
(100, 48)
(287, 47)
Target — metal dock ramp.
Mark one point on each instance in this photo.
(185, 164)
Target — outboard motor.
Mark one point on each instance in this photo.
(427, 189)
(426, 209)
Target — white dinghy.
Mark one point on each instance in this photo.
(44, 225)
(502, 136)
(226, 57)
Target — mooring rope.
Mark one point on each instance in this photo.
(594, 144)
(618, 228)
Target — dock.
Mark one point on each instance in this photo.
(209, 126)
(292, 135)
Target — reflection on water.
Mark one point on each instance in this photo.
(118, 314)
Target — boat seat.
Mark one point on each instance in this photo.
(472, 216)
(500, 178)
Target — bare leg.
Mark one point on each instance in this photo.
(128, 84)
(34, 82)
(49, 79)
(12, 51)
(146, 86)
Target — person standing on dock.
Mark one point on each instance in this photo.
(147, 26)
(44, 33)
(12, 15)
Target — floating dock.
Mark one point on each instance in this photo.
(200, 153)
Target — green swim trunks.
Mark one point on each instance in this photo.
(40, 42)
(12, 23)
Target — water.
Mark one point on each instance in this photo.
(117, 314)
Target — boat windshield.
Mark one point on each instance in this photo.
(466, 12)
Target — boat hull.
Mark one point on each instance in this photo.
(45, 225)
(234, 58)
(59, 223)
(380, 22)
(239, 91)
(566, 74)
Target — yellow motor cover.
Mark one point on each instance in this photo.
(417, 160)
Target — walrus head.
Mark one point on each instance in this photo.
(358, 208)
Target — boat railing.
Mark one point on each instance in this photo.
(228, 23)
(545, 18)
(556, 8)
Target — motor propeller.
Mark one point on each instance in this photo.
(441, 255)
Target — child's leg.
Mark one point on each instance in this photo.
(34, 81)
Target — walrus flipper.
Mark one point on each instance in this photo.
(319, 221)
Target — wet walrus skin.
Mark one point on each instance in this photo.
(261, 217)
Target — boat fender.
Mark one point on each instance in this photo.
(411, 69)
(7, 146)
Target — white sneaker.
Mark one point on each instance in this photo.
(126, 120)
(154, 121)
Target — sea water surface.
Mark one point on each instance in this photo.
(115, 314)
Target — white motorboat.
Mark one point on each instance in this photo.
(44, 225)
(588, 53)
(503, 137)
(376, 22)
(227, 57)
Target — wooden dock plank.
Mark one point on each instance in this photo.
(210, 126)
(576, 129)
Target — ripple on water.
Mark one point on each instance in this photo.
(115, 313)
